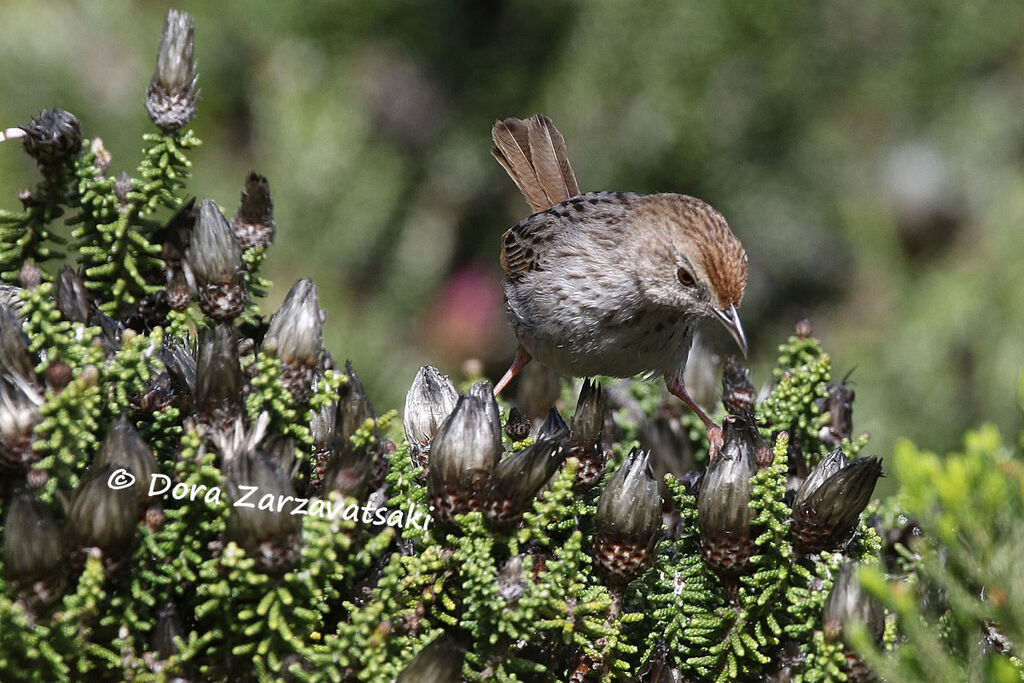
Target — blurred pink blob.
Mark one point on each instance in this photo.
(467, 318)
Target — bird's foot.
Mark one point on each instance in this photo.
(714, 432)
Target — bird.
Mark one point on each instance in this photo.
(610, 283)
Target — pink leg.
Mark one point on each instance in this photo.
(522, 358)
(715, 437)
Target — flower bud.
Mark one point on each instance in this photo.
(738, 393)
(102, 516)
(268, 535)
(354, 407)
(52, 138)
(587, 429)
(517, 478)
(10, 296)
(29, 275)
(171, 96)
(438, 662)
(33, 543)
(123, 447)
(827, 506)
(517, 425)
(216, 260)
(838, 405)
(464, 452)
(168, 627)
(14, 355)
(849, 603)
(348, 471)
(218, 396)
(628, 519)
(295, 336)
(723, 506)
(321, 427)
(111, 330)
(71, 297)
(19, 414)
(179, 294)
(254, 225)
(431, 399)
(180, 364)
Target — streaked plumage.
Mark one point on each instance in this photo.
(609, 283)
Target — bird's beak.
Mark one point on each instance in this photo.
(730, 317)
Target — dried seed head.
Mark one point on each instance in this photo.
(827, 506)
(431, 399)
(628, 519)
(123, 447)
(268, 535)
(52, 138)
(849, 603)
(464, 452)
(171, 96)
(216, 260)
(218, 377)
(738, 393)
(254, 225)
(14, 355)
(33, 543)
(295, 336)
(723, 506)
(438, 662)
(102, 516)
(168, 627)
(517, 425)
(518, 478)
(19, 414)
(72, 298)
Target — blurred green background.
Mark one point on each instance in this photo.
(870, 156)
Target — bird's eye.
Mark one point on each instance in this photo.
(685, 277)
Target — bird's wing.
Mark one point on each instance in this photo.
(523, 244)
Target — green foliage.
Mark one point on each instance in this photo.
(961, 610)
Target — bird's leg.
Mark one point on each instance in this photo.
(522, 358)
(715, 438)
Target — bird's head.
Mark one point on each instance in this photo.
(696, 265)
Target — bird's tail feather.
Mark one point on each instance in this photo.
(533, 153)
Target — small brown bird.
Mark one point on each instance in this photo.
(610, 283)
